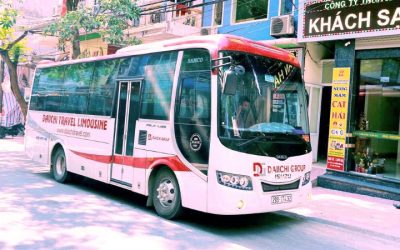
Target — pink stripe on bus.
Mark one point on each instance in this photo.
(138, 162)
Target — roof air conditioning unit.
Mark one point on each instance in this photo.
(205, 31)
(282, 25)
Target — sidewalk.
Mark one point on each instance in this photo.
(362, 213)
(10, 144)
(318, 168)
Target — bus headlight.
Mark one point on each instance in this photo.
(242, 182)
(306, 178)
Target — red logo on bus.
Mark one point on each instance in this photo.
(258, 169)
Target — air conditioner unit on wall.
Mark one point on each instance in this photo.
(208, 31)
(282, 25)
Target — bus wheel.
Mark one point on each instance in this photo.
(59, 167)
(166, 195)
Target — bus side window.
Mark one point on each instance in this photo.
(76, 85)
(193, 108)
(101, 91)
(157, 89)
(186, 109)
(34, 103)
(194, 101)
(51, 84)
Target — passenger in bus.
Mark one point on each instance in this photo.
(244, 114)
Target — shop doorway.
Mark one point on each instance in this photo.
(324, 123)
(314, 110)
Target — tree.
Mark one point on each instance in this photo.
(109, 18)
(11, 48)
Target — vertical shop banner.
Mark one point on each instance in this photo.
(338, 118)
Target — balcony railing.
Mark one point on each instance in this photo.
(165, 22)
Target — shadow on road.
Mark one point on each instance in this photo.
(36, 212)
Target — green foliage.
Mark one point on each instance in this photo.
(18, 52)
(8, 16)
(110, 19)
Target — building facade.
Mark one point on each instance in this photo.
(251, 19)
(159, 20)
(359, 55)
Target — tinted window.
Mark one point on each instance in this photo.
(47, 88)
(193, 108)
(133, 67)
(195, 60)
(245, 10)
(85, 88)
(34, 100)
(195, 99)
(75, 95)
(158, 78)
(102, 89)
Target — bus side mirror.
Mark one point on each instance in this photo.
(231, 79)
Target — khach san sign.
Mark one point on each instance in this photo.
(342, 19)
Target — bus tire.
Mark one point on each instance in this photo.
(59, 167)
(166, 195)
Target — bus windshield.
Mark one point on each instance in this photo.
(267, 113)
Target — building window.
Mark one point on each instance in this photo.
(378, 118)
(217, 20)
(244, 10)
(286, 7)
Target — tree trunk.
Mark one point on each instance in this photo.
(72, 5)
(76, 44)
(12, 70)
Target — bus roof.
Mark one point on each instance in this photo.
(214, 43)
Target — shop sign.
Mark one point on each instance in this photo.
(343, 19)
(338, 118)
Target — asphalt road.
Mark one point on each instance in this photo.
(38, 213)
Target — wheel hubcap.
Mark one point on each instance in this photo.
(166, 193)
(60, 166)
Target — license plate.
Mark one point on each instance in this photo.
(279, 199)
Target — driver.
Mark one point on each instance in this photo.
(244, 114)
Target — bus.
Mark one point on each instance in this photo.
(163, 120)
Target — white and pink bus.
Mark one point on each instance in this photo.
(214, 123)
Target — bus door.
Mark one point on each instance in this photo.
(127, 115)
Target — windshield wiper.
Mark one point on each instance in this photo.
(283, 137)
(256, 139)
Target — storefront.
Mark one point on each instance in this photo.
(364, 129)
(377, 109)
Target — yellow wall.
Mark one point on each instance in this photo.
(93, 47)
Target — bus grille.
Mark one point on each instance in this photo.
(269, 187)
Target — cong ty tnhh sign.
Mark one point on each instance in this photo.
(343, 19)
